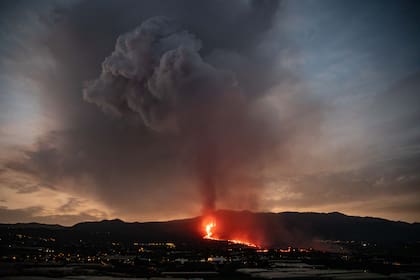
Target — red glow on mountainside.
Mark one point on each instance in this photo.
(210, 233)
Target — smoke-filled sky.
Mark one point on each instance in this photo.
(156, 110)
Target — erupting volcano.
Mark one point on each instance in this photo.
(210, 231)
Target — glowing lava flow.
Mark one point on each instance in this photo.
(209, 230)
(210, 235)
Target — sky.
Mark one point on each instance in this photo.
(159, 110)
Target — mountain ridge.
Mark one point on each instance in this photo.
(180, 219)
(269, 229)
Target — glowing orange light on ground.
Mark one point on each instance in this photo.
(210, 234)
(209, 230)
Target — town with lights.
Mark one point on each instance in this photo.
(36, 250)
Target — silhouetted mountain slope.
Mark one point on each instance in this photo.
(271, 229)
(178, 230)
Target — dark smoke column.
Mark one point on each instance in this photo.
(156, 74)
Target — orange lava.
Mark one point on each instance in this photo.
(210, 234)
(209, 230)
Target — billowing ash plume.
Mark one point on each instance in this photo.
(153, 72)
(156, 74)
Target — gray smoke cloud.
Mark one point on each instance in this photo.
(192, 95)
(151, 72)
(156, 74)
(202, 113)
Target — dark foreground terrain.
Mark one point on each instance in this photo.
(291, 246)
